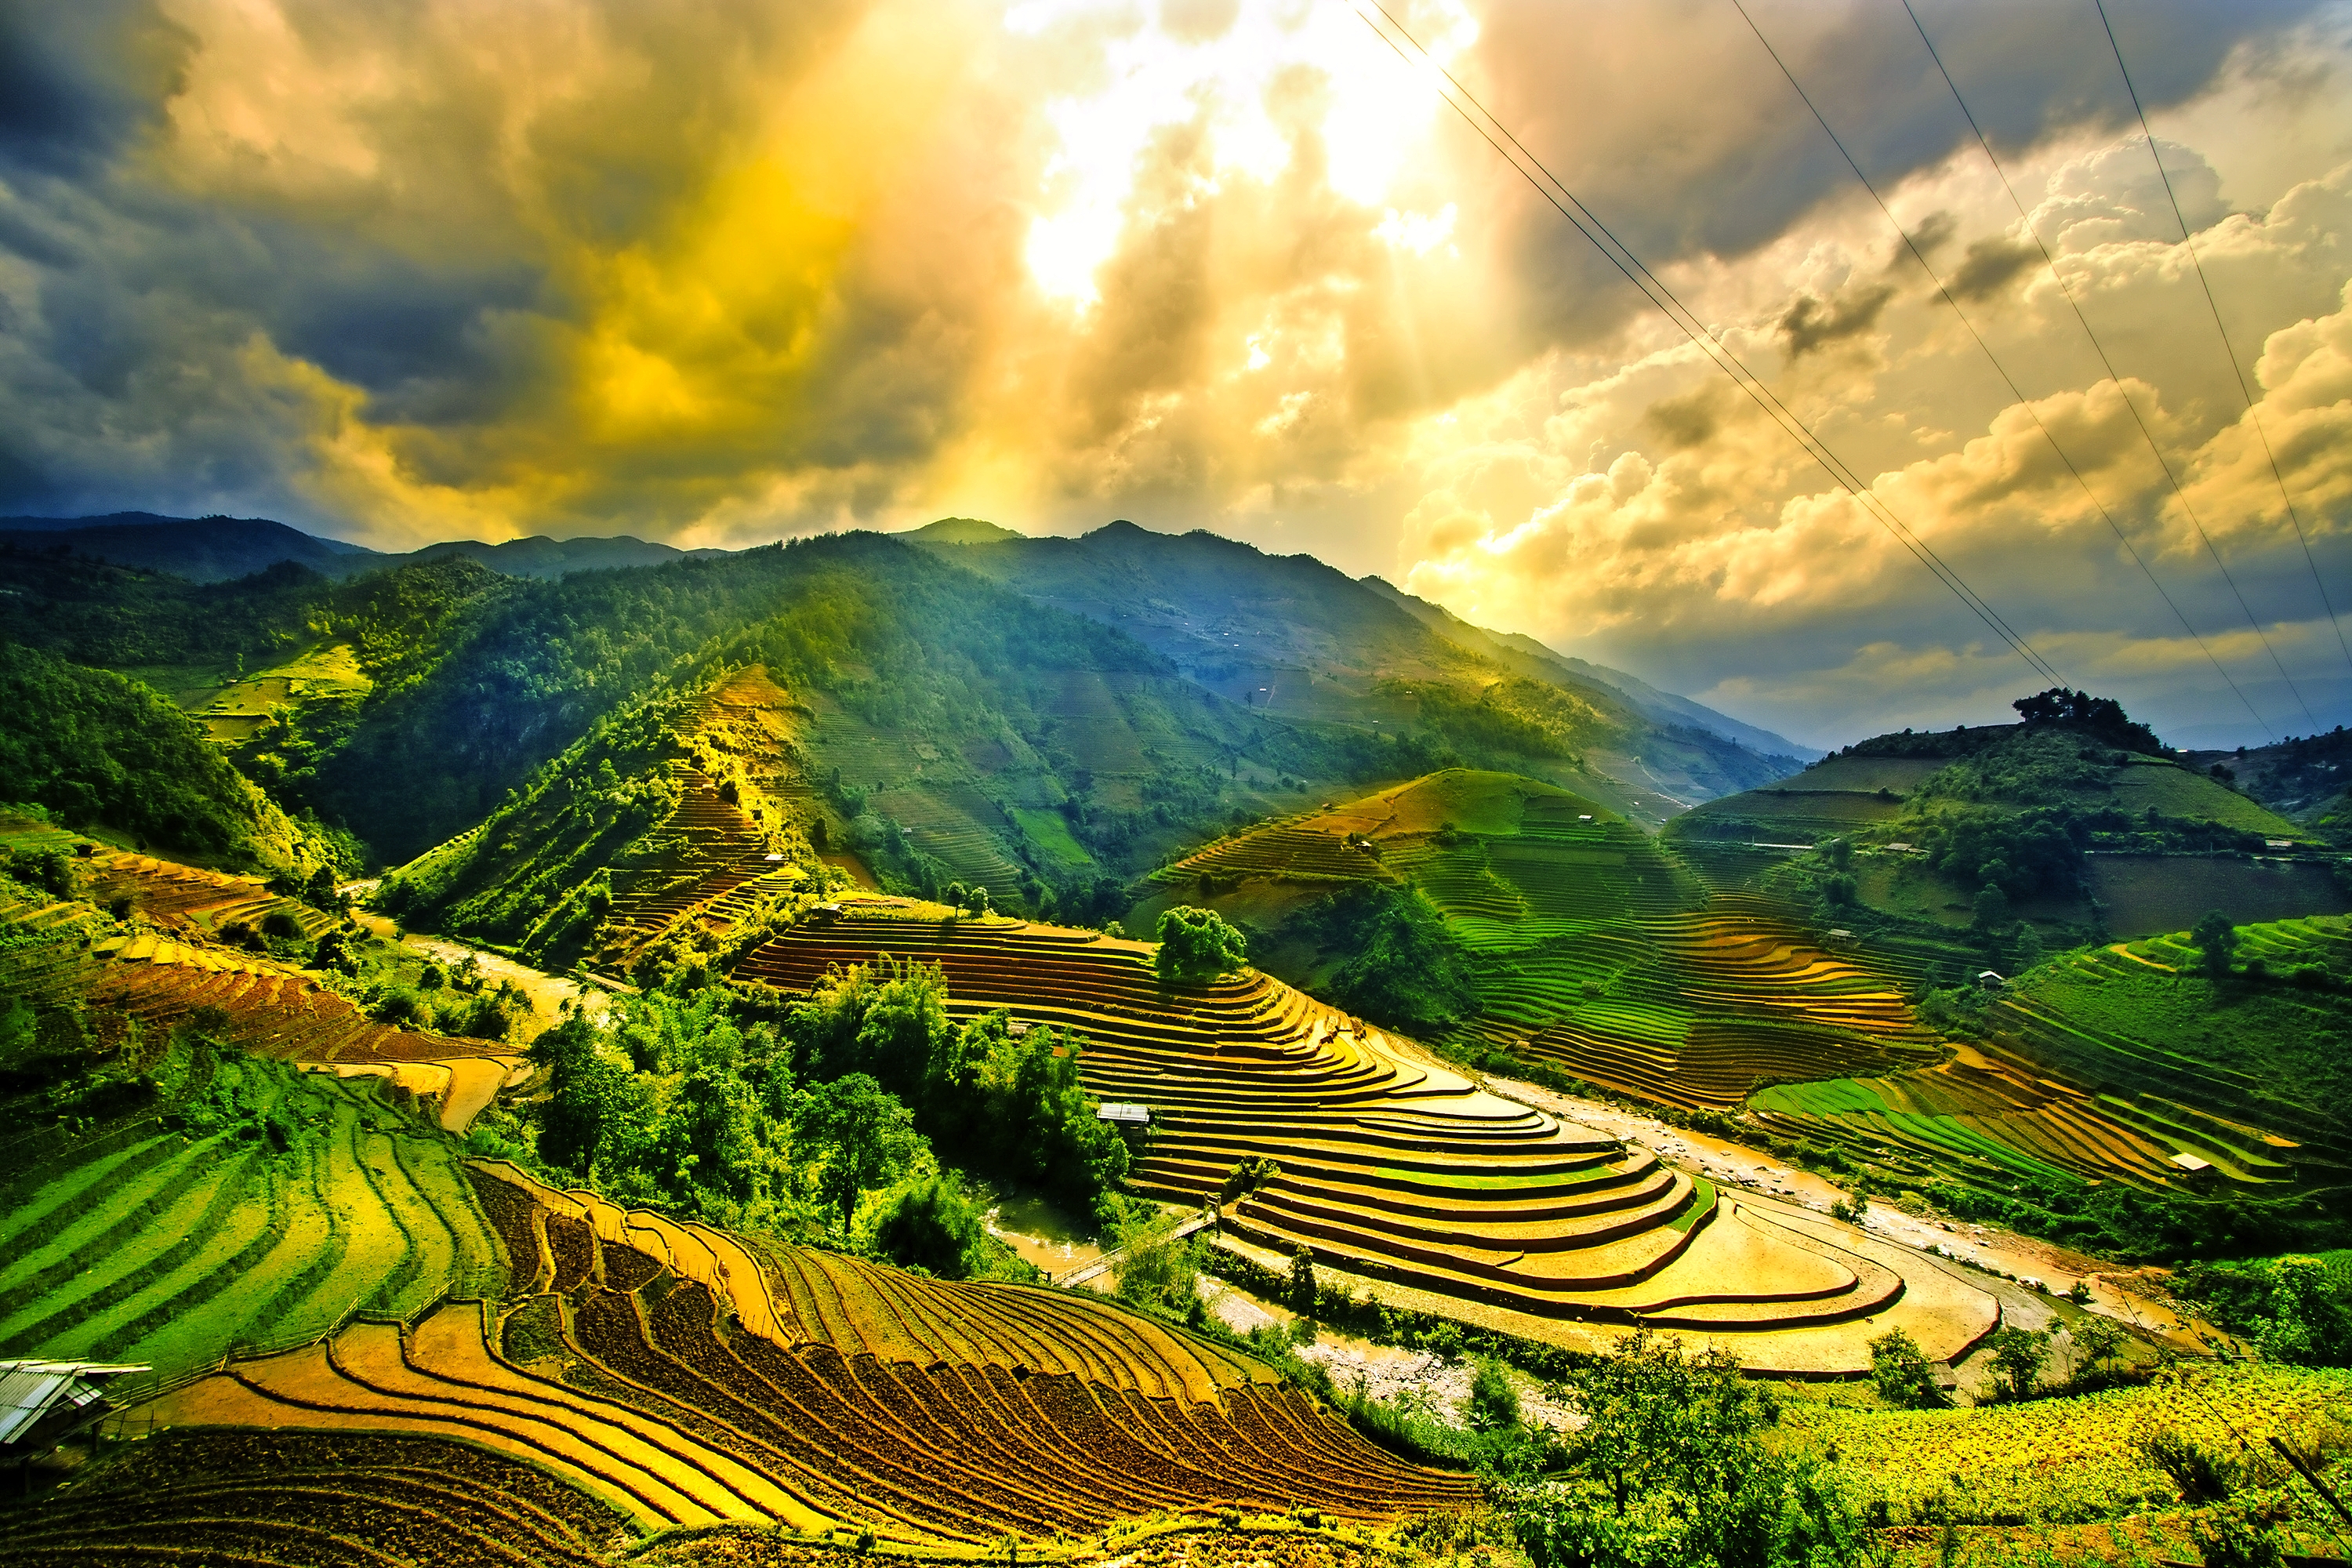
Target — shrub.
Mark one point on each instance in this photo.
(1494, 1403)
(1197, 946)
(931, 1225)
(1899, 1369)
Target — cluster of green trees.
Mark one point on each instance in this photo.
(841, 1115)
(1397, 964)
(1669, 1468)
(99, 750)
(2296, 1310)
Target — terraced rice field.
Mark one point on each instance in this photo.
(316, 1500)
(150, 1244)
(267, 1007)
(681, 1379)
(1595, 951)
(2077, 1078)
(707, 863)
(1391, 1166)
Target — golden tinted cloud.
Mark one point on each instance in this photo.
(720, 271)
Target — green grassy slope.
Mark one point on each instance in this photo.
(103, 752)
(248, 1203)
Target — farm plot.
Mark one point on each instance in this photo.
(922, 1411)
(66, 953)
(322, 1498)
(1378, 1147)
(169, 1248)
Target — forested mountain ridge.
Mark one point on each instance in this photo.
(1295, 638)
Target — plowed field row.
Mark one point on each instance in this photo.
(1104, 1417)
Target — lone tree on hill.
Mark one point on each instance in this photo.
(2101, 718)
(2217, 941)
(1196, 944)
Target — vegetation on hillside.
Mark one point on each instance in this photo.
(100, 751)
(841, 1114)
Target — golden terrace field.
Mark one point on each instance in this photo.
(1597, 953)
(1393, 1166)
(683, 1379)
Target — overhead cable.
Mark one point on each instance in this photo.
(1495, 135)
(2227, 353)
(2018, 394)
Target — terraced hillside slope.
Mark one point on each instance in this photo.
(2122, 1062)
(245, 1205)
(2090, 831)
(1589, 947)
(679, 819)
(315, 1500)
(1393, 1166)
(1595, 951)
(682, 1379)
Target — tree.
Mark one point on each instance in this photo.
(2097, 1340)
(1302, 1281)
(1899, 1367)
(1196, 945)
(1158, 1270)
(865, 1135)
(2217, 941)
(932, 1225)
(2307, 1323)
(2018, 1356)
(1667, 1469)
(585, 1094)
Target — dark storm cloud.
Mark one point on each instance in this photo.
(1991, 265)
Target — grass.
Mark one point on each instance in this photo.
(175, 1250)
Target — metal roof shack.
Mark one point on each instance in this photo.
(1124, 1112)
(44, 1403)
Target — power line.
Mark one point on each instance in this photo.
(2018, 392)
(1724, 359)
(2227, 353)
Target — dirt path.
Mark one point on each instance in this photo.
(546, 992)
(1386, 1371)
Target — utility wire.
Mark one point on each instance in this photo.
(2227, 353)
(2067, 292)
(2018, 392)
(1655, 290)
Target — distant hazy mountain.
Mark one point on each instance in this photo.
(202, 550)
(219, 549)
(1664, 707)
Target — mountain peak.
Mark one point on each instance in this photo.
(959, 530)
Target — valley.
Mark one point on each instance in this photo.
(899, 1046)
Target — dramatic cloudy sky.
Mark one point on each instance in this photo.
(717, 271)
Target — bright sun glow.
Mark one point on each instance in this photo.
(1246, 91)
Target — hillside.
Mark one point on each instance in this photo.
(102, 752)
(1291, 637)
(2078, 832)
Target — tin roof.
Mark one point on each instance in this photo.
(1122, 1111)
(30, 1391)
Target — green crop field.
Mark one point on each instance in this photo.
(168, 1247)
